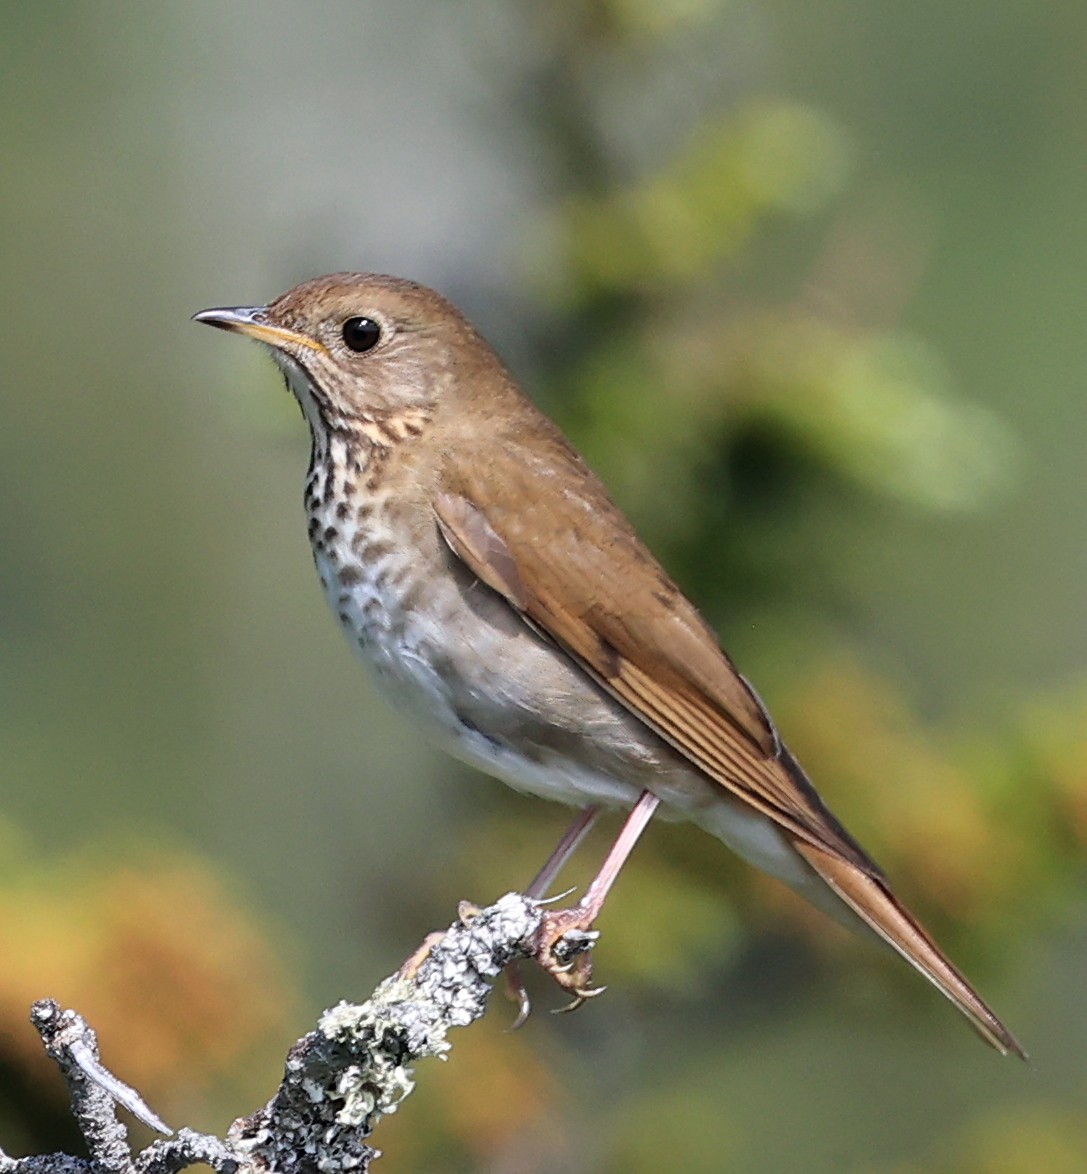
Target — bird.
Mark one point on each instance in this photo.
(507, 607)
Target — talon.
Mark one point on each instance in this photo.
(540, 902)
(515, 990)
(580, 1000)
(523, 1013)
(562, 947)
(575, 976)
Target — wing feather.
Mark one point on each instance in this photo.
(563, 556)
(571, 564)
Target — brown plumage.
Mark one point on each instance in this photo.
(506, 603)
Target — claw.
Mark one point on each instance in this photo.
(515, 990)
(542, 901)
(522, 1014)
(563, 943)
(580, 1000)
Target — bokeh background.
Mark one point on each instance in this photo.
(805, 282)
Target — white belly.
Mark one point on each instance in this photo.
(398, 649)
(498, 708)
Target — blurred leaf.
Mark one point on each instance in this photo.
(182, 988)
(679, 223)
(876, 407)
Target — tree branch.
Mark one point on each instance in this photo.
(339, 1080)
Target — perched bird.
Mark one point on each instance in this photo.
(507, 607)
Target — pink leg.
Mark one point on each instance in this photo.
(555, 925)
(565, 848)
(593, 901)
(542, 881)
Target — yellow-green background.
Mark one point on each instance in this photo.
(805, 281)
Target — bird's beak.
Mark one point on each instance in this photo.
(253, 321)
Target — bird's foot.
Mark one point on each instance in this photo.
(562, 947)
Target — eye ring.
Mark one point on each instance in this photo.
(360, 334)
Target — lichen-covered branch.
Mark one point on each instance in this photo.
(339, 1079)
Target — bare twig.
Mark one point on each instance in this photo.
(339, 1080)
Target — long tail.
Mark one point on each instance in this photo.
(872, 901)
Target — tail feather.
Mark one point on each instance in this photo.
(872, 901)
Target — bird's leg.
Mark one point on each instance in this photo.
(565, 936)
(564, 849)
(542, 881)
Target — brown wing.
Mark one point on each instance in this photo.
(535, 525)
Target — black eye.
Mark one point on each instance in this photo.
(361, 334)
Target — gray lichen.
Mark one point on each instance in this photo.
(338, 1081)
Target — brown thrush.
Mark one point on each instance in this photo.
(509, 609)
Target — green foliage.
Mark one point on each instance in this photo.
(807, 282)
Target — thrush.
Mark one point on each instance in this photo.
(509, 610)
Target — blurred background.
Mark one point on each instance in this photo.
(805, 284)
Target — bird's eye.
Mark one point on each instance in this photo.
(361, 334)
